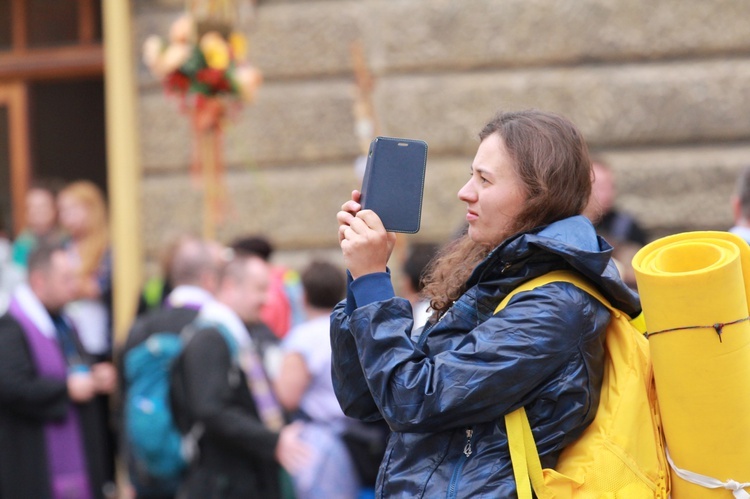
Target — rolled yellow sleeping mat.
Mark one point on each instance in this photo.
(695, 293)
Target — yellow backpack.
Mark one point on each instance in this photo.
(621, 454)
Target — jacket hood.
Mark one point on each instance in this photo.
(570, 243)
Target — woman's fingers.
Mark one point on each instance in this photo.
(371, 219)
(360, 225)
(352, 206)
(365, 244)
(348, 211)
(344, 217)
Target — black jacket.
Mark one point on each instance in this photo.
(27, 403)
(236, 451)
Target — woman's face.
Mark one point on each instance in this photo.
(494, 195)
(41, 213)
(73, 215)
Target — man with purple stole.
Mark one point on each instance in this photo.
(51, 439)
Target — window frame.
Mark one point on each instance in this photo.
(85, 58)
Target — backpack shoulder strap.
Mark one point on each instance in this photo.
(554, 276)
(199, 324)
(233, 376)
(581, 283)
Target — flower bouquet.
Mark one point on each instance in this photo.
(204, 65)
(200, 62)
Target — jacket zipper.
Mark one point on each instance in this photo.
(467, 447)
(467, 451)
(423, 335)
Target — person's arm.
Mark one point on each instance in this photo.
(490, 370)
(349, 382)
(22, 391)
(366, 253)
(206, 362)
(292, 382)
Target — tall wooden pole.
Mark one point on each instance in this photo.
(123, 162)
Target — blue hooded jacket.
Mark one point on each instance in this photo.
(444, 392)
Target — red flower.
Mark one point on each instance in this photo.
(177, 82)
(215, 79)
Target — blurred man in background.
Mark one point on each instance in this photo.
(194, 269)
(227, 397)
(619, 228)
(52, 443)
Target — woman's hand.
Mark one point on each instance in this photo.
(365, 244)
(348, 211)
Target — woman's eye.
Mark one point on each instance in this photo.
(481, 178)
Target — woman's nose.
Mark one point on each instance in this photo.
(466, 193)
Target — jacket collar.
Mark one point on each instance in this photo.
(217, 312)
(188, 296)
(568, 243)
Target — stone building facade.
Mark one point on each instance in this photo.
(661, 90)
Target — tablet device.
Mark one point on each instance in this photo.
(393, 185)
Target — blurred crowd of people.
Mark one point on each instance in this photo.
(57, 376)
(250, 389)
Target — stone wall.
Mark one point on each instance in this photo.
(660, 89)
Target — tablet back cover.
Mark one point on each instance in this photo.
(393, 185)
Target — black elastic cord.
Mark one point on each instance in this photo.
(718, 327)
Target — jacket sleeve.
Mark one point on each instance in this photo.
(492, 368)
(22, 391)
(349, 382)
(205, 366)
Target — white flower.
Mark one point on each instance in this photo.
(152, 50)
(182, 30)
(174, 56)
(248, 79)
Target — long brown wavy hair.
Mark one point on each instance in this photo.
(551, 159)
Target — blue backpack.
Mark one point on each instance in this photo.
(154, 440)
(157, 444)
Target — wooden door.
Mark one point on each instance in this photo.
(14, 154)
